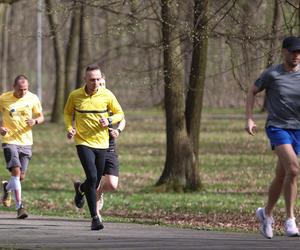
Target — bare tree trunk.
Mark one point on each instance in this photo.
(298, 17)
(273, 39)
(194, 98)
(84, 57)
(185, 8)
(179, 155)
(72, 52)
(5, 15)
(57, 110)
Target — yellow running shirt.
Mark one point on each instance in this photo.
(15, 112)
(86, 111)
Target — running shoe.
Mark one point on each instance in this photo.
(6, 197)
(79, 196)
(96, 223)
(290, 228)
(265, 223)
(21, 213)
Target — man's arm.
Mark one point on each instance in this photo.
(37, 120)
(40, 118)
(68, 117)
(37, 114)
(250, 100)
(116, 110)
(116, 132)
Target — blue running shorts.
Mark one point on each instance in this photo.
(279, 136)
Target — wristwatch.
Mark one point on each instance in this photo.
(119, 130)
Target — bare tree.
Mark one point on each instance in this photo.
(273, 41)
(85, 53)
(194, 100)
(59, 55)
(72, 50)
(5, 15)
(183, 115)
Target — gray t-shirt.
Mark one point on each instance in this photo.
(283, 96)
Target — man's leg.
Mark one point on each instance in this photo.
(87, 159)
(264, 215)
(17, 159)
(109, 183)
(288, 159)
(92, 161)
(14, 185)
(275, 189)
(110, 179)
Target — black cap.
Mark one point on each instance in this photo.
(291, 43)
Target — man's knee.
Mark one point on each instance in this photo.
(22, 176)
(16, 171)
(110, 183)
(113, 186)
(293, 170)
(92, 180)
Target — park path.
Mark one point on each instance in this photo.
(43, 232)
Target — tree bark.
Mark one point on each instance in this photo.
(72, 52)
(179, 155)
(84, 57)
(59, 55)
(5, 15)
(195, 90)
(273, 39)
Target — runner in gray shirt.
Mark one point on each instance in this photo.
(283, 96)
(282, 86)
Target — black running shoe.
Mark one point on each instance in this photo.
(96, 223)
(79, 196)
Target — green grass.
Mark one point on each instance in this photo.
(235, 169)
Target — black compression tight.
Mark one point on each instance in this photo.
(92, 161)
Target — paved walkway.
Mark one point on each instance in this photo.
(38, 232)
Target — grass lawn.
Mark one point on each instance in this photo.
(235, 169)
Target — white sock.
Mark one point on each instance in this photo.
(10, 184)
(14, 185)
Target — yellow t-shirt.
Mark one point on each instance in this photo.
(85, 110)
(15, 112)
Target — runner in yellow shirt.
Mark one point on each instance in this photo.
(86, 119)
(21, 110)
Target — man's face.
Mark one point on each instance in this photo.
(292, 58)
(93, 80)
(21, 88)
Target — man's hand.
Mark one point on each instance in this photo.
(71, 133)
(113, 132)
(103, 121)
(250, 127)
(30, 122)
(3, 131)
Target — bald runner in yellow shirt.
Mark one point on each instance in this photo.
(21, 110)
(86, 119)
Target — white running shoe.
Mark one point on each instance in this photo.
(265, 223)
(290, 227)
